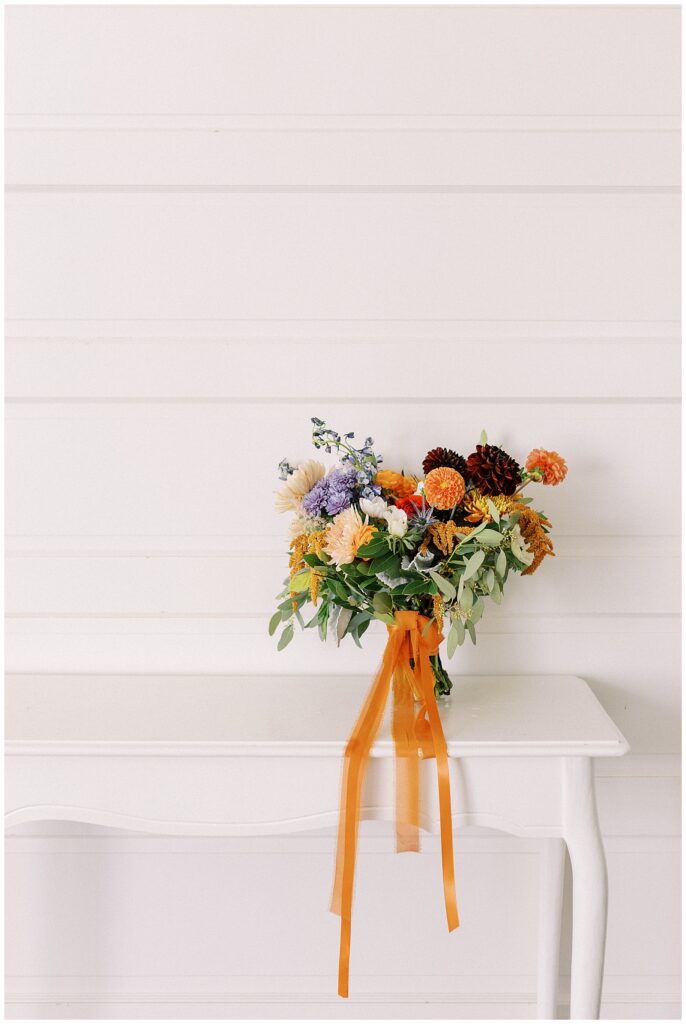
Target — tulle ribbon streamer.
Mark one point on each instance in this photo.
(417, 733)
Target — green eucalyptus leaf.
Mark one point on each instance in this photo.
(516, 550)
(478, 609)
(471, 630)
(444, 585)
(489, 579)
(495, 515)
(342, 624)
(496, 593)
(490, 537)
(466, 600)
(457, 630)
(501, 564)
(274, 622)
(453, 638)
(357, 620)
(285, 637)
(473, 565)
(382, 602)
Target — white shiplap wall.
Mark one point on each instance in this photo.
(414, 222)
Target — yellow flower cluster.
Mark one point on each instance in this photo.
(476, 506)
(438, 611)
(307, 544)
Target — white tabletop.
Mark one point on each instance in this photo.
(292, 715)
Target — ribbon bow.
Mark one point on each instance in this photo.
(412, 641)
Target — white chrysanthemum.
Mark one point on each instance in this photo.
(297, 485)
(519, 547)
(396, 519)
(375, 508)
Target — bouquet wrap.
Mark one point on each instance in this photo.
(417, 732)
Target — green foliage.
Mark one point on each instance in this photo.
(474, 563)
(285, 637)
(445, 586)
(490, 537)
(455, 637)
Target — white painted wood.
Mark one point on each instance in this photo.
(59, 366)
(372, 60)
(551, 887)
(336, 156)
(338, 256)
(631, 663)
(585, 846)
(263, 716)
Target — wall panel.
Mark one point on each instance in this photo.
(441, 60)
(415, 222)
(311, 256)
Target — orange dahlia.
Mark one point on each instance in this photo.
(397, 484)
(550, 464)
(444, 487)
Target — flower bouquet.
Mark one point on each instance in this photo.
(421, 554)
(369, 542)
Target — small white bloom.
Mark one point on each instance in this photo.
(375, 508)
(397, 522)
(519, 547)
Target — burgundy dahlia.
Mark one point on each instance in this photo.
(439, 457)
(493, 471)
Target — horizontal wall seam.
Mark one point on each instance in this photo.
(124, 189)
(329, 400)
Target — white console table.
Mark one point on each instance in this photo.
(238, 756)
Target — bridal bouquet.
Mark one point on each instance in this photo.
(368, 542)
(422, 554)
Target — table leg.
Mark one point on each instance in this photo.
(589, 892)
(551, 891)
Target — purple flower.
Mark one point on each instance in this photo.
(337, 500)
(333, 493)
(314, 500)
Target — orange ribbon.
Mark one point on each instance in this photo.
(411, 643)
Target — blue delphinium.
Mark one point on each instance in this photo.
(363, 461)
(285, 469)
